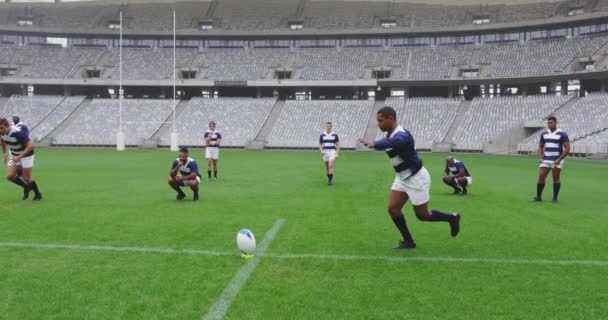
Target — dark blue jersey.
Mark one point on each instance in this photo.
(186, 169)
(16, 141)
(455, 168)
(400, 148)
(214, 137)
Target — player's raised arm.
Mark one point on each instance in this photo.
(175, 168)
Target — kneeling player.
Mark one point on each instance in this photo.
(184, 172)
(456, 175)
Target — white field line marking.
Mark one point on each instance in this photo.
(221, 305)
(306, 256)
(112, 248)
(438, 259)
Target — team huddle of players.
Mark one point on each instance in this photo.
(412, 181)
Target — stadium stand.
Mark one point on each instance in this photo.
(238, 64)
(6, 52)
(301, 122)
(238, 120)
(428, 119)
(98, 123)
(56, 117)
(31, 109)
(532, 58)
(48, 62)
(489, 116)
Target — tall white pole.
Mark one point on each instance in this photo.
(120, 137)
(174, 141)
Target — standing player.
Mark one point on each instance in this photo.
(213, 139)
(412, 180)
(329, 146)
(554, 146)
(184, 172)
(21, 155)
(456, 175)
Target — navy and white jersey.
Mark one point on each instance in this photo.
(553, 144)
(216, 136)
(328, 140)
(16, 141)
(400, 148)
(455, 168)
(186, 169)
(23, 127)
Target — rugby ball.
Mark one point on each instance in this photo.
(246, 241)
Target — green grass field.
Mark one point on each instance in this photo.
(330, 259)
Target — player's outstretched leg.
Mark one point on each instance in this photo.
(424, 214)
(451, 181)
(11, 175)
(396, 201)
(175, 186)
(556, 183)
(215, 169)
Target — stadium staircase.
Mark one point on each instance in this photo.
(372, 128)
(48, 140)
(590, 134)
(463, 107)
(48, 115)
(260, 140)
(166, 128)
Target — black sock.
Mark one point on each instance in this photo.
(402, 226)
(330, 177)
(556, 187)
(195, 191)
(178, 189)
(464, 188)
(215, 173)
(440, 216)
(35, 187)
(209, 174)
(539, 190)
(453, 184)
(20, 182)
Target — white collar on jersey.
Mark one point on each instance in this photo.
(397, 130)
(187, 161)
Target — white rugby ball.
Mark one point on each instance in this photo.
(246, 241)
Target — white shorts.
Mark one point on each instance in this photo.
(212, 153)
(551, 164)
(469, 180)
(417, 186)
(27, 162)
(329, 155)
(185, 182)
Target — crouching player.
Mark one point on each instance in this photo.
(184, 172)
